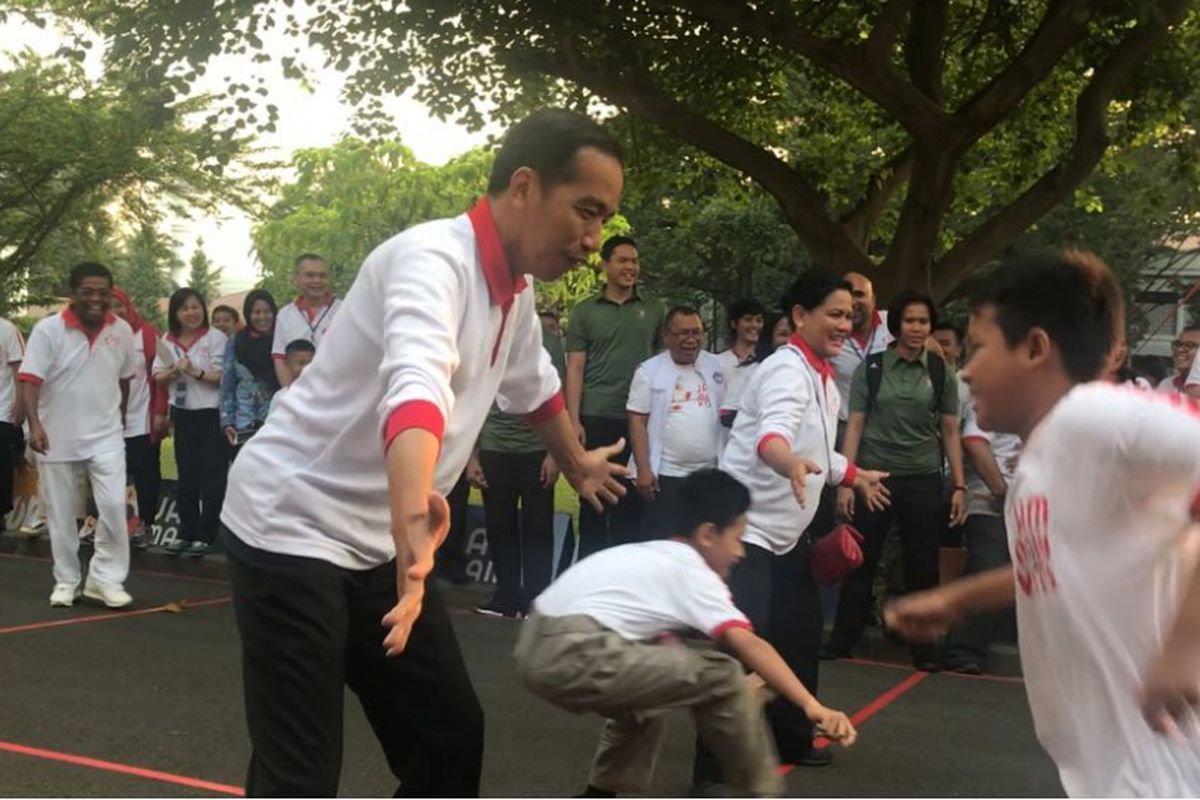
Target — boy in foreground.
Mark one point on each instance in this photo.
(593, 642)
(1100, 516)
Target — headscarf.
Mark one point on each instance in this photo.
(131, 313)
(253, 349)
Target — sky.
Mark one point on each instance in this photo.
(315, 118)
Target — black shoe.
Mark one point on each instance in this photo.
(927, 665)
(831, 652)
(493, 610)
(816, 757)
(963, 667)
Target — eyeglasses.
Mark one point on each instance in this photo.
(1180, 344)
(691, 333)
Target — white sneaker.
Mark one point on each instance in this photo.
(111, 596)
(64, 595)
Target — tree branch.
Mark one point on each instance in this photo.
(1063, 25)
(924, 50)
(1091, 140)
(802, 205)
(860, 221)
(866, 69)
(887, 26)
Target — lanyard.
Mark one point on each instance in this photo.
(860, 352)
(313, 326)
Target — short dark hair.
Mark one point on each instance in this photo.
(811, 289)
(300, 259)
(947, 325)
(903, 301)
(254, 297)
(178, 298)
(547, 141)
(679, 311)
(612, 243)
(228, 310)
(299, 346)
(707, 495)
(1070, 294)
(745, 307)
(1191, 329)
(89, 269)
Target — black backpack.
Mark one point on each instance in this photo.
(937, 377)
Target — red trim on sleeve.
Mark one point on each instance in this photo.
(728, 625)
(764, 440)
(851, 474)
(548, 410)
(983, 439)
(278, 357)
(29, 377)
(414, 414)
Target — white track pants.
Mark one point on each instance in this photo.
(60, 487)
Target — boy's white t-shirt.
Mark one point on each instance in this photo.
(1101, 524)
(641, 591)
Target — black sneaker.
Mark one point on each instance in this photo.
(963, 667)
(816, 757)
(176, 546)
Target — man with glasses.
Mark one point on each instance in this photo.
(1183, 351)
(674, 399)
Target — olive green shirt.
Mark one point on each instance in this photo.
(903, 435)
(616, 338)
(510, 433)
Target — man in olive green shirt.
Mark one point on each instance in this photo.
(608, 336)
(904, 432)
(517, 477)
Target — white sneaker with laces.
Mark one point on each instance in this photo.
(111, 596)
(64, 595)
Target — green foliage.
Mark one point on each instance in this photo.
(81, 160)
(202, 276)
(143, 269)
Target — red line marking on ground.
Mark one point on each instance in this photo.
(124, 769)
(150, 572)
(866, 662)
(58, 623)
(869, 710)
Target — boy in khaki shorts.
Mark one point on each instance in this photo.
(593, 643)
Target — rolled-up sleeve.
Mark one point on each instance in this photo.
(530, 385)
(422, 296)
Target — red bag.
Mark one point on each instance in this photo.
(836, 555)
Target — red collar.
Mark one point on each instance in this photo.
(821, 365)
(175, 340)
(308, 310)
(865, 339)
(502, 288)
(71, 320)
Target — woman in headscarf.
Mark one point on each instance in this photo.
(248, 380)
(142, 436)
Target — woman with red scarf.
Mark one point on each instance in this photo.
(143, 436)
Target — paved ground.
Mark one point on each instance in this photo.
(148, 703)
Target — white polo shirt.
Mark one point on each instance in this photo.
(80, 399)
(1006, 449)
(792, 396)
(298, 320)
(641, 591)
(12, 350)
(854, 353)
(206, 353)
(433, 331)
(1100, 520)
(137, 407)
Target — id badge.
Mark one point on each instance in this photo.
(180, 394)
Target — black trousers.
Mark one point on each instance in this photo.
(8, 465)
(619, 524)
(451, 560)
(520, 526)
(781, 600)
(202, 453)
(987, 548)
(919, 507)
(143, 469)
(309, 628)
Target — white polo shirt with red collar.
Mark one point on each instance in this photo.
(1101, 516)
(299, 320)
(80, 400)
(434, 329)
(792, 396)
(854, 352)
(12, 350)
(207, 354)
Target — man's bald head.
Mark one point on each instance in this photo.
(863, 292)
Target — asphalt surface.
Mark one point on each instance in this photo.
(148, 703)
